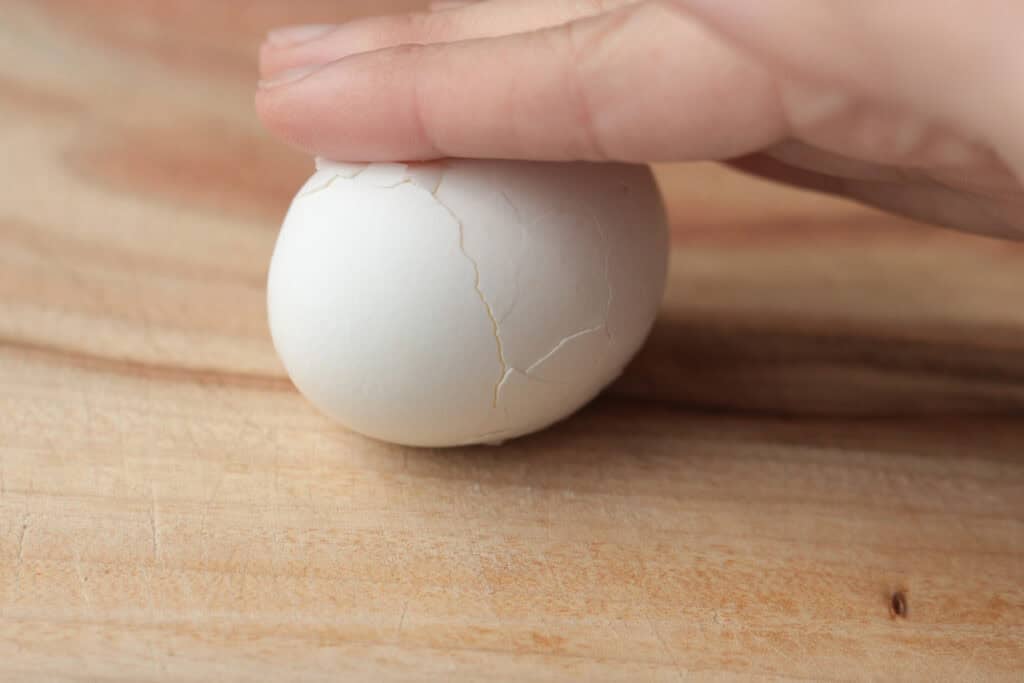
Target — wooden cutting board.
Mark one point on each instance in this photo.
(814, 470)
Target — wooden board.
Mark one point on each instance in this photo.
(828, 413)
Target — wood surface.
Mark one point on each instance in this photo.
(827, 415)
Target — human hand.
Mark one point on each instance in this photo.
(903, 105)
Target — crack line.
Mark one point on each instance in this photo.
(505, 371)
(333, 178)
(21, 538)
(480, 293)
(320, 188)
(489, 438)
(533, 366)
(607, 275)
(521, 251)
(153, 522)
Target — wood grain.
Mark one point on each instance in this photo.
(827, 413)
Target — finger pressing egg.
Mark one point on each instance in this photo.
(464, 301)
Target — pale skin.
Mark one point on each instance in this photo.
(914, 106)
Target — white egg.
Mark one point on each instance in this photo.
(464, 301)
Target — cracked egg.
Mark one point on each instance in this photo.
(464, 301)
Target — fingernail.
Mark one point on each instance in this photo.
(293, 35)
(288, 76)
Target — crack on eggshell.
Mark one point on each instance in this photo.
(427, 175)
(558, 347)
(532, 368)
(384, 175)
(530, 378)
(519, 257)
(495, 438)
(607, 277)
(320, 188)
(404, 181)
(345, 170)
(501, 388)
(506, 371)
(408, 175)
(323, 165)
(416, 179)
(495, 326)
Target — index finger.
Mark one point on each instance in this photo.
(644, 83)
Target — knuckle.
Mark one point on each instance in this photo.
(594, 46)
(596, 37)
(586, 44)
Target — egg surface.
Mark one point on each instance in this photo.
(464, 301)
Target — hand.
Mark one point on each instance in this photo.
(901, 104)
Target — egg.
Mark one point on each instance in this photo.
(464, 301)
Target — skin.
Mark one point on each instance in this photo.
(899, 104)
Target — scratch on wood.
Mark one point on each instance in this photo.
(153, 663)
(664, 646)
(206, 510)
(191, 433)
(186, 587)
(82, 581)
(21, 538)
(148, 575)
(154, 526)
(21, 554)
(970, 660)
(401, 619)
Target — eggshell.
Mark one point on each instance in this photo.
(464, 301)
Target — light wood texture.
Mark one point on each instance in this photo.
(171, 510)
